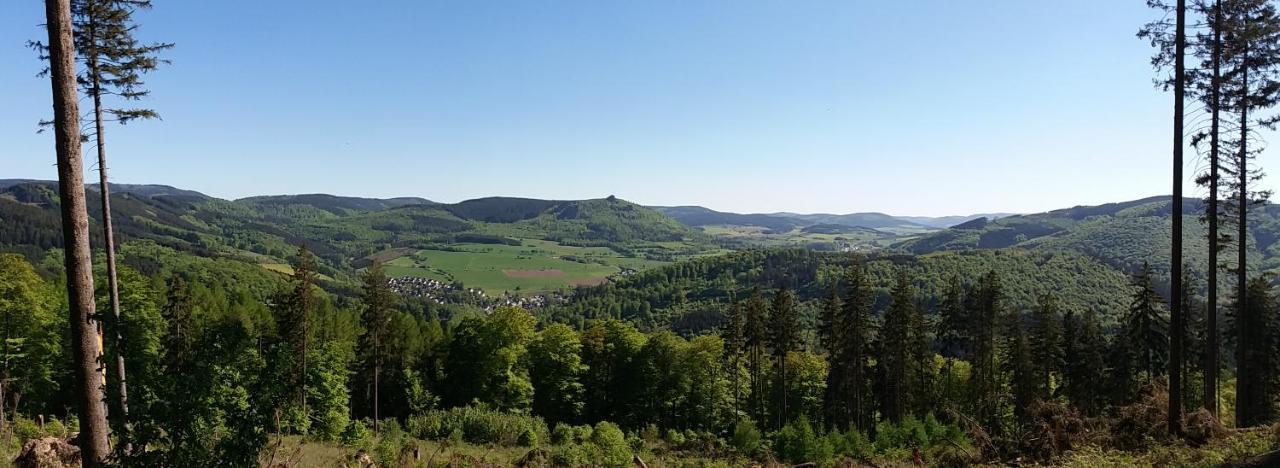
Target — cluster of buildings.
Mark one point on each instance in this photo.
(416, 286)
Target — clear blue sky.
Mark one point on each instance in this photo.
(909, 107)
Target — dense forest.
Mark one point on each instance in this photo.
(153, 326)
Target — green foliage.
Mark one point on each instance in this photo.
(797, 442)
(488, 360)
(612, 444)
(746, 437)
(479, 426)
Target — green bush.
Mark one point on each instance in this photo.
(797, 443)
(562, 434)
(674, 438)
(746, 437)
(852, 444)
(582, 434)
(25, 429)
(528, 438)
(614, 451)
(356, 433)
(570, 455)
(478, 426)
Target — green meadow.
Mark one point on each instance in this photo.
(534, 266)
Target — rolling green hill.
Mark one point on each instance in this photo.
(1122, 235)
(347, 232)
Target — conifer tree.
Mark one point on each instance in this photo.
(832, 336)
(894, 354)
(114, 62)
(86, 346)
(986, 307)
(1252, 89)
(1257, 345)
(1085, 350)
(922, 370)
(1208, 82)
(1147, 328)
(378, 303)
(757, 339)
(954, 334)
(784, 338)
(1046, 345)
(852, 403)
(735, 344)
(1024, 375)
(294, 314)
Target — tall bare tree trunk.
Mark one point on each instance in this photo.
(1243, 378)
(86, 350)
(1175, 305)
(1211, 359)
(109, 245)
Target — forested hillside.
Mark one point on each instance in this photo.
(1123, 235)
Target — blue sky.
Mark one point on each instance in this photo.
(926, 107)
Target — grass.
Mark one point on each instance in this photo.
(534, 266)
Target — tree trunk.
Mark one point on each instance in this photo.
(1175, 305)
(1211, 360)
(94, 445)
(109, 246)
(1243, 377)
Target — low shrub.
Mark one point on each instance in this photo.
(478, 426)
(614, 451)
(746, 438)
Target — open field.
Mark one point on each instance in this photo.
(535, 266)
(757, 236)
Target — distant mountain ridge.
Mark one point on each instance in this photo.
(697, 216)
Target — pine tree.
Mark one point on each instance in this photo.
(832, 336)
(378, 303)
(86, 344)
(114, 63)
(294, 314)
(1085, 350)
(1147, 328)
(1257, 358)
(783, 339)
(1046, 345)
(852, 402)
(1252, 88)
(954, 335)
(892, 359)
(920, 359)
(735, 344)
(985, 307)
(1209, 84)
(1024, 375)
(1175, 53)
(757, 339)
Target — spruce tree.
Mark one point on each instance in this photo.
(1046, 345)
(1147, 328)
(855, 323)
(294, 313)
(920, 359)
(1252, 90)
(892, 360)
(985, 308)
(735, 344)
(86, 345)
(1085, 363)
(784, 338)
(1172, 51)
(757, 338)
(378, 303)
(1257, 358)
(954, 335)
(1023, 374)
(114, 62)
(832, 336)
(1209, 86)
